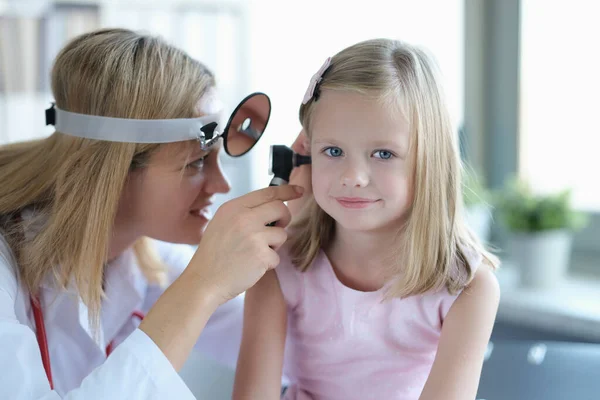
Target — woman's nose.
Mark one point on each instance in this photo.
(216, 181)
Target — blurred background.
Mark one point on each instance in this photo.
(522, 81)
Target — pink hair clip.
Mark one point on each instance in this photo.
(315, 80)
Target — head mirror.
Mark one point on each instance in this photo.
(247, 124)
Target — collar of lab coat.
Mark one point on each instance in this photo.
(125, 290)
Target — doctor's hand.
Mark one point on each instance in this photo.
(237, 247)
(236, 250)
(301, 175)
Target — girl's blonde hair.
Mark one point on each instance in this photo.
(73, 185)
(435, 236)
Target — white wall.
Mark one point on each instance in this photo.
(290, 41)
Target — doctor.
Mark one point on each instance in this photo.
(95, 300)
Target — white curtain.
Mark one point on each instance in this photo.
(216, 34)
(28, 44)
(19, 76)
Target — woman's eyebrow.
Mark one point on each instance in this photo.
(199, 153)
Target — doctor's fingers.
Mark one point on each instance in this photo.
(274, 211)
(275, 236)
(267, 195)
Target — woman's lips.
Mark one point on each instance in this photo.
(202, 212)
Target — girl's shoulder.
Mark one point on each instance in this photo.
(292, 281)
(289, 277)
(470, 264)
(472, 257)
(482, 270)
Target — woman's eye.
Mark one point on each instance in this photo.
(383, 154)
(198, 164)
(333, 151)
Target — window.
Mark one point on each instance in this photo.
(560, 98)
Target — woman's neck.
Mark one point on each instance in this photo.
(122, 238)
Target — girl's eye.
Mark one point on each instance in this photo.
(383, 154)
(333, 151)
(198, 164)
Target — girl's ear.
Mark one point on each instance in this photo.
(305, 143)
(302, 144)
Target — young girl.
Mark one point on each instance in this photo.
(382, 292)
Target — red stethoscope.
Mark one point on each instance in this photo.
(40, 332)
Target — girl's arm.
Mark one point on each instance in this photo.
(260, 362)
(465, 335)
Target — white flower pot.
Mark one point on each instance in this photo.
(479, 219)
(542, 257)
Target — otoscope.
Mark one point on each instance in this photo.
(282, 160)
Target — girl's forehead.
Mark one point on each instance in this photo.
(342, 114)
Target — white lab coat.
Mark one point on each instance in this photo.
(136, 369)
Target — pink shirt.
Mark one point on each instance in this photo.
(346, 344)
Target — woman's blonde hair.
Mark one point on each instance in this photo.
(73, 185)
(434, 239)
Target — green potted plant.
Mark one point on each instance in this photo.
(540, 231)
(477, 201)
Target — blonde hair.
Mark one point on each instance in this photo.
(73, 185)
(434, 239)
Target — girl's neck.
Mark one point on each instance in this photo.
(361, 260)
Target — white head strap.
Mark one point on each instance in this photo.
(111, 129)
